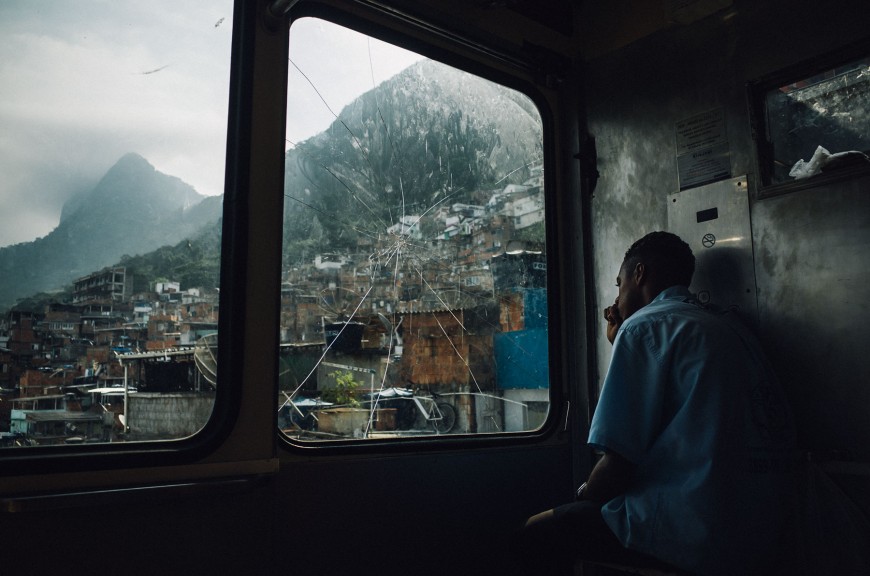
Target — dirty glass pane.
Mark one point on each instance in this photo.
(414, 296)
(830, 110)
(112, 154)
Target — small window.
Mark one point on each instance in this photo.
(112, 152)
(815, 121)
(401, 315)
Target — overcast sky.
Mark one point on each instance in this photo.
(83, 84)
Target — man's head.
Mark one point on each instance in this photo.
(657, 261)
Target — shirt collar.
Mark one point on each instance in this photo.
(675, 292)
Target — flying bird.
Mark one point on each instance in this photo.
(155, 70)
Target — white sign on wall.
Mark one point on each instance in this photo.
(703, 153)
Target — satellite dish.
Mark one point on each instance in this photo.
(339, 302)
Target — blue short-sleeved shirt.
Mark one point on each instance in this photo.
(691, 401)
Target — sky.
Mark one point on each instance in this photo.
(81, 85)
(353, 65)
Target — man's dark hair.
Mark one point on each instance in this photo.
(667, 255)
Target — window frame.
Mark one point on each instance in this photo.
(514, 71)
(757, 90)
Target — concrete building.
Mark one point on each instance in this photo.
(108, 285)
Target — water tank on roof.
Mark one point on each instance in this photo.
(344, 337)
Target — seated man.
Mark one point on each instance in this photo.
(695, 435)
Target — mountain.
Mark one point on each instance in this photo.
(193, 262)
(133, 209)
(430, 135)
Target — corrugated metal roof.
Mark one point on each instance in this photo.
(156, 354)
(60, 416)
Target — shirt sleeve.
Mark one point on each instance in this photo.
(628, 417)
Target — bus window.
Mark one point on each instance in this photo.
(815, 121)
(114, 123)
(414, 271)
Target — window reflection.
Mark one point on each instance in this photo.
(828, 109)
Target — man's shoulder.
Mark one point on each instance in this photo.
(670, 302)
(675, 314)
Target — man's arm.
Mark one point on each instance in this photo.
(611, 476)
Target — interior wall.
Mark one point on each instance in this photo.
(811, 254)
(810, 246)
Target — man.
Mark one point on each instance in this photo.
(694, 431)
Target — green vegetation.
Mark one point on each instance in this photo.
(194, 263)
(344, 392)
(533, 235)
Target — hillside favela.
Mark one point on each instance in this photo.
(413, 291)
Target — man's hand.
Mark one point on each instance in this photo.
(611, 476)
(614, 320)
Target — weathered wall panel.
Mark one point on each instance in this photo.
(811, 247)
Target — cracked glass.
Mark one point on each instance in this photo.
(414, 263)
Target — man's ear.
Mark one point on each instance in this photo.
(639, 275)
